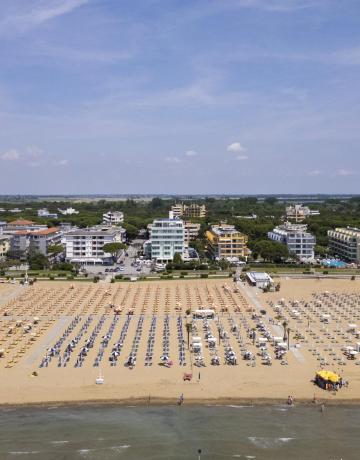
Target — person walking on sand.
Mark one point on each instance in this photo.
(181, 399)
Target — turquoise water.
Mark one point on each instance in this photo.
(334, 263)
(178, 432)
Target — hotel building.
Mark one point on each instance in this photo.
(345, 242)
(296, 237)
(225, 242)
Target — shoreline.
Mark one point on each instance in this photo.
(190, 402)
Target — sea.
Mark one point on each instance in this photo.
(186, 432)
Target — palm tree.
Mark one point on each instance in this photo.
(188, 330)
(288, 337)
(254, 335)
(285, 325)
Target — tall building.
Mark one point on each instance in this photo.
(167, 238)
(85, 246)
(113, 217)
(296, 237)
(345, 242)
(298, 212)
(225, 242)
(192, 210)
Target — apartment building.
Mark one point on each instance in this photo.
(42, 239)
(113, 218)
(167, 238)
(22, 225)
(24, 241)
(68, 211)
(84, 246)
(298, 212)
(298, 240)
(345, 242)
(191, 232)
(225, 242)
(44, 212)
(192, 210)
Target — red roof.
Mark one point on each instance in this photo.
(21, 222)
(46, 231)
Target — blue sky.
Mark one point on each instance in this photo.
(179, 96)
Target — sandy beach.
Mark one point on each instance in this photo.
(61, 310)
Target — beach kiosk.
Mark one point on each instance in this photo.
(327, 380)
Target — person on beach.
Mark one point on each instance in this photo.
(181, 399)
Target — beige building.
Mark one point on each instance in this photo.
(298, 212)
(192, 210)
(191, 232)
(225, 242)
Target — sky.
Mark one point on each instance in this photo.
(179, 96)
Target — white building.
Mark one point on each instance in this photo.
(68, 211)
(300, 212)
(167, 238)
(113, 217)
(84, 246)
(45, 213)
(345, 242)
(259, 279)
(298, 240)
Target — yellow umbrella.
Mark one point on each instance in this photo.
(329, 376)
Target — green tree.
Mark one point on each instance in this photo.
(38, 261)
(271, 251)
(113, 248)
(177, 258)
(55, 249)
(188, 330)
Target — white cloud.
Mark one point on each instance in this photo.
(345, 172)
(33, 151)
(39, 12)
(278, 5)
(62, 162)
(191, 153)
(11, 155)
(314, 172)
(172, 160)
(242, 157)
(235, 147)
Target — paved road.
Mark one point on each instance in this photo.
(127, 261)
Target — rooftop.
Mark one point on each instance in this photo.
(21, 222)
(93, 231)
